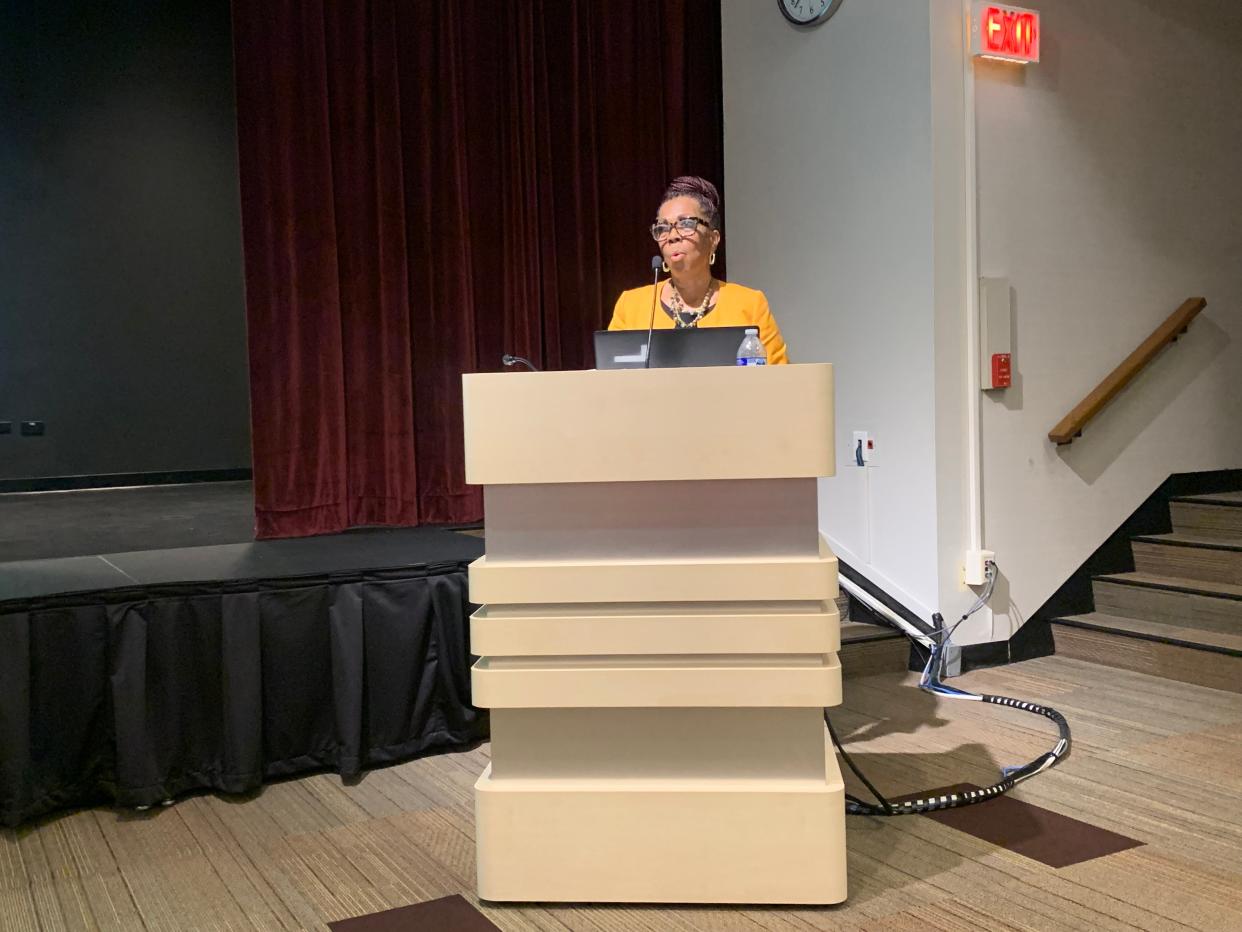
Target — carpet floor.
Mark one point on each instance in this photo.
(1154, 760)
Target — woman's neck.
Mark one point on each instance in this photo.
(692, 285)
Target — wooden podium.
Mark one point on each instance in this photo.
(658, 639)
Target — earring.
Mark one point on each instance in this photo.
(712, 259)
(664, 264)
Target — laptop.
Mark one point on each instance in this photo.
(670, 349)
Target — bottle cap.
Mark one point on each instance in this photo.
(754, 330)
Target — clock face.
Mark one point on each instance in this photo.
(808, 12)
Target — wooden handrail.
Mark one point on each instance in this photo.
(1072, 424)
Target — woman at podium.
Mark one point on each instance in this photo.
(687, 230)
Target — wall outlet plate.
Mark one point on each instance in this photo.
(862, 448)
(975, 572)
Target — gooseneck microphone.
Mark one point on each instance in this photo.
(656, 262)
(509, 360)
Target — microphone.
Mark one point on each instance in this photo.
(656, 262)
(514, 360)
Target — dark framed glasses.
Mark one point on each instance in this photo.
(686, 226)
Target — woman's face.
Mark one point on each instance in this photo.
(686, 252)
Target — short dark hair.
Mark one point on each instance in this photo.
(702, 191)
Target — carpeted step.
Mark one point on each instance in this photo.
(853, 632)
(1187, 655)
(1208, 516)
(1197, 638)
(868, 649)
(1190, 556)
(1172, 600)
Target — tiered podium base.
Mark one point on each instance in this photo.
(658, 640)
(669, 776)
(662, 840)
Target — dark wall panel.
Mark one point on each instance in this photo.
(122, 323)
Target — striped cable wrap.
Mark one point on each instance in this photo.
(931, 682)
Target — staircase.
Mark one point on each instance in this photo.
(868, 647)
(1179, 613)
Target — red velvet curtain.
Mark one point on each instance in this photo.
(429, 185)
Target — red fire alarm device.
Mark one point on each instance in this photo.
(995, 334)
(1002, 376)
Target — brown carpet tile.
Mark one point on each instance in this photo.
(1031, 831)
(447, 914)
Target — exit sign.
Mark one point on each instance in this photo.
(1009, 33)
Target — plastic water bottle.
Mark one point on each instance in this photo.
(751, 352)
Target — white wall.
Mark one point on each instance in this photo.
(952, 283)
(829, 207)
(845, 199)
(1124, 144)
(1109, 191)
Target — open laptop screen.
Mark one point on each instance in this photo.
(670, 349)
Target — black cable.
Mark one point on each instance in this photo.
(884, 803)
(936, 643)
(1011, 777)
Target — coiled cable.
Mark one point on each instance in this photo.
(931, 682)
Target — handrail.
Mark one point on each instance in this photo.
(1072, 424)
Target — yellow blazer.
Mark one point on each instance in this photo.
(736, 306)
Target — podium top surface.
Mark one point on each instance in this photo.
(628, 425)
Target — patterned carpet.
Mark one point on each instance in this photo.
(1155, 760)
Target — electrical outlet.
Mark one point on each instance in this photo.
(32, 428)
(863, 449)
(975, 572)
(6, 427)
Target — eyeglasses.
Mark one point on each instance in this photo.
(686, 226)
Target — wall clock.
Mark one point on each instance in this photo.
(808, 12)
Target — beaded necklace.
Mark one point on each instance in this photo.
(678, 307)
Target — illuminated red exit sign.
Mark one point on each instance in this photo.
(1009, 33)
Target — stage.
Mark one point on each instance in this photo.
(140, 674)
